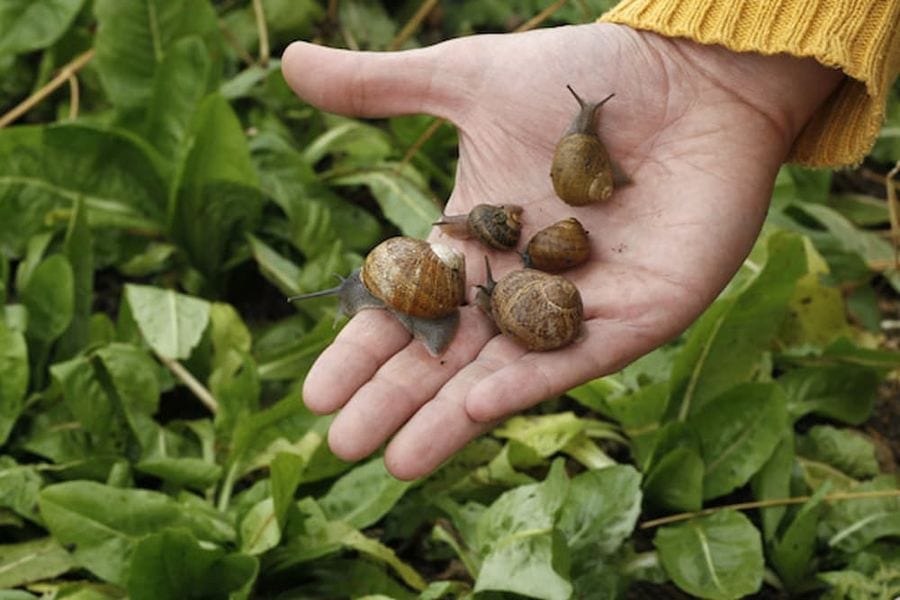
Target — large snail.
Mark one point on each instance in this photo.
(496, 225)
(582, 172)
(560, 246)
(421, 284)
(539, 311)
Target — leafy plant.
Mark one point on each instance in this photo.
(153, 442)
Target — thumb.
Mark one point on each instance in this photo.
(371, 84)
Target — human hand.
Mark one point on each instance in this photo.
(700, 130)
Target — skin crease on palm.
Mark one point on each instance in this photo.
(701, 131)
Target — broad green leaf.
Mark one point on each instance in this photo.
(773, 482)
(545, 434)
(172, 323)
(726, 345)
(792, 552)
(718, 557)
(738, 432)
(640, 414)
(296, 359)
(173, 564)
(13, 378)
(80, 252)
(104, 524)
(27, 25)
(851, 525)
(43, 169)
(179, 84)
(191, 472)
(401, 194)
(600, 511)
(275, 267)
(134, 378)
(817, 314)
(50, 298)
(845, 392)
(35, 560)
(363, 144)
(229, 334)
(872, 573)
(133, 39)
(86, 399)
(19, 488)
(286, 473)
(259, 528)
(845, 449)
(369, 23)
(676, 481)
(364, 495)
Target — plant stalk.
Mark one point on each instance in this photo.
(197, 388)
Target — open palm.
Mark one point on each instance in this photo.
(700, 131)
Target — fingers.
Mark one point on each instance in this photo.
(399, 388)
(373, 84)
(368, 340)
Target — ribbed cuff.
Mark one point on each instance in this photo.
(860, 37)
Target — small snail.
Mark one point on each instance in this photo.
(421, 284)
(582, 172)
(560, 246)
(497, 226)
(537, 310)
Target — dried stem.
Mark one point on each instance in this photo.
(198, 389)
(531, 23)
(74, 97)
(263, 31)
(838, 496)
(412, 25)
(37, 97)
(235, 44)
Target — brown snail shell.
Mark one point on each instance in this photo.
(582, 172)
(496, 225)
(560, 246)
(539, 311)
(421, 284)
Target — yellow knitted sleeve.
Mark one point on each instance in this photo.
(860, 37)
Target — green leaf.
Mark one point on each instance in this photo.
(50, 298)
(192, 472)
(259, 528)
(402, 195)
(851, 525)
(718, 557)
(286, 473)
(845, 449)
(773, 481)
(792, 552)
(364, 495)
(28, 25)
(173, 564)
(675, 482)
(19, 488)
(86, 398)
(844, 392)
(738, 432)
(31, 561)
(726, 345)
(13, 378)
(134, 378)
(104, 524)
(47, 168)
(600, 511)
(515, 536)
(172, 323)
(133, 39)
(80, 253)
(872, 573)
(545, 434)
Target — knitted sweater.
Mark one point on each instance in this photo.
(860, 37)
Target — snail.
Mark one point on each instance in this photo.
(539, 311)
(582, 172)
(421, 284)
(497, 225)
(560, 246)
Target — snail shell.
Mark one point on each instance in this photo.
(416, 278)
(537, 310)
(496, 225)
(582, 172)
(560, 246)
(421, 284)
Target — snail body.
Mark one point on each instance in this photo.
(560, 246)
(582, 172)
(537, 310)
(421, 284)
(496, 225)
